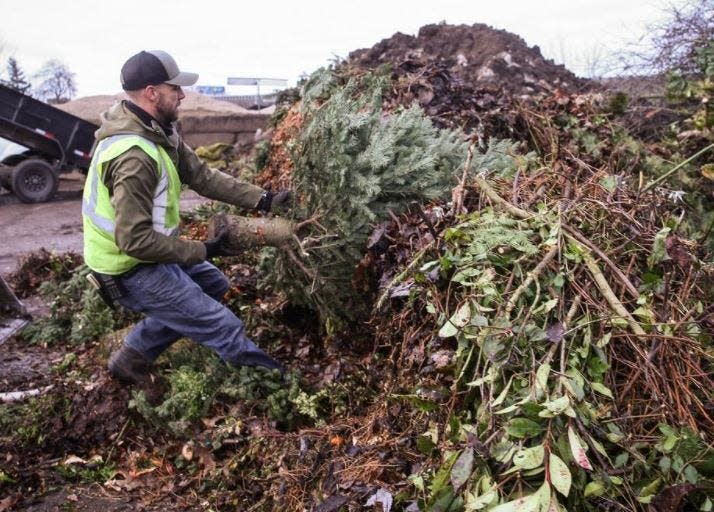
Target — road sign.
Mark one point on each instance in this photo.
(278, 82)
(213, 90)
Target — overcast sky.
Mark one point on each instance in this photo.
(284, 39)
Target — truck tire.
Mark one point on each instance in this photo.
(34, 181)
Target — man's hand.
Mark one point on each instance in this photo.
(269, 200)
(217, 246)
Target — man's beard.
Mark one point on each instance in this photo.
(166, 110)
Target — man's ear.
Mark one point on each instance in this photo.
(150, 93)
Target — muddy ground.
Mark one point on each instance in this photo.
(55, 225)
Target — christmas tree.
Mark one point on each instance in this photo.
(354, 165)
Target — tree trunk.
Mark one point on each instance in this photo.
(250, 232)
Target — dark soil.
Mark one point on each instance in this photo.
(478, 55)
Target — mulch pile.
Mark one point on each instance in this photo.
(402, 393)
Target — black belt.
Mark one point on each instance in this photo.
(110, 287)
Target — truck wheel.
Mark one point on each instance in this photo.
(34, 181)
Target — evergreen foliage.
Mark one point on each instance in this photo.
(77, 313)
(353, 165)
(199, 380)
(16, 77)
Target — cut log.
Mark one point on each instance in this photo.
(251, 232)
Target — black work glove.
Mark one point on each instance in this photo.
(217, 246)
(270, 200)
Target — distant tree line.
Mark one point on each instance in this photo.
(55, 82)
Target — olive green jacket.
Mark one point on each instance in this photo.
(132, 178)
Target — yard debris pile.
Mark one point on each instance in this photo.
(468, 77)
(571, 315)
(472, 322)
(39, 267)
(477, 54)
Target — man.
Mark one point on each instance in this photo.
(131, 218)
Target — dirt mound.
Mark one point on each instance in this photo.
(478, 55)
(203, 120)
(194, 105)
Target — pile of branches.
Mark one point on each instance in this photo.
(548, 329)
(449, 101)
(575, 325)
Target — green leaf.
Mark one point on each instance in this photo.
(536, 502)
(573, 387)
(691, 474)
(659, 250)
(417, 481)
(577, 449)
(602, 389)
(609, 183)
(529, 458)
(461, 471)
(442, 478)
(448, 330)
(621, 459)
(525, 504)
(556, 407)
(542, 379)
(457, 321)
(502, 396)
(508, 409)
(474, 502)
(560, 475)
(523, 428)
(425, 445)
(490, 376)
(543, 493)
(650, 489)
(594, 488)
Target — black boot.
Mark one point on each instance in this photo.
(130, 367)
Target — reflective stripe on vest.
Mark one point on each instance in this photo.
(161, 194)
(100, 250)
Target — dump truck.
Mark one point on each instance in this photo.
(55, 142)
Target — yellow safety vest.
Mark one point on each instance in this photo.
(101, 252)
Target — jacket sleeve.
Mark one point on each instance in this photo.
(131, 179)
(215, 184)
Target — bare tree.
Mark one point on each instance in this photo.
(676, 43)
(57, 82)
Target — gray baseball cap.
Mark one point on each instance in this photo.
(153, 67)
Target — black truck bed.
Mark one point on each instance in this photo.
(47, 131)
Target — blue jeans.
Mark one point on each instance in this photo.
(185, 301)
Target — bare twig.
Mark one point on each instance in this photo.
(607, 292)
(530, 277)
(18, 396)
(493, 196)
(581, 238)
(666, 175)
(460, 189)
(413, 263)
